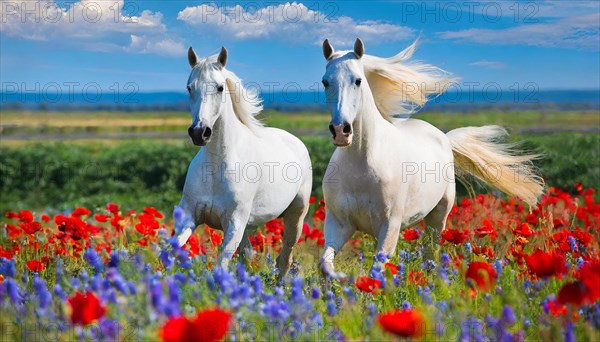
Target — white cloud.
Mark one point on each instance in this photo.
(289, 22)
(578, 32)
(96, 25)
(146, 44)
(489, 64)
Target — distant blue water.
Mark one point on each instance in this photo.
(306, 100)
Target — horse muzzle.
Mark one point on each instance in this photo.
(342, 134)
(200, 134)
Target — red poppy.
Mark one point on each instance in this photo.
(6, 254)
(556, 309)
(393, 268)
(25, 216)
(46, 218)
(101, 217)
(112, 208)
(81, 212)
(486, 229)
(410, 234)
(311, 200)
(148, 225)
(544, 264)
(524, 230)
(416, 278)
(485, 251)
(13, 231)
(11, 215)
(85, 308)
(482, 274)
(209, 325)
(589, 274)
(313, 234)
(573, 293)
(31, 227)
(532, 219)
(258, 242)
(320, 212)
(35, 266)
(455, 236)
(152, 211)
(367, 284)
(406, 323)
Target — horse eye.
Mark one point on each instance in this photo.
(189, 88)
(325, 83)
(358, 81)
(220, 89)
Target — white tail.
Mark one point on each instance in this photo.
(480, 152)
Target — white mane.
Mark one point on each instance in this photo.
(247, 104)
(399, 87)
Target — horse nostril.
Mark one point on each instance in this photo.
(191, 132)
(207, 133)
(332, 130)
(347, 128)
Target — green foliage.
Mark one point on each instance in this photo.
(61, 176)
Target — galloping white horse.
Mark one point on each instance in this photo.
(389, 174)
(246, 174)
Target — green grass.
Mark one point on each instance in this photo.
(61, 175)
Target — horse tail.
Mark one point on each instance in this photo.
(480, 152)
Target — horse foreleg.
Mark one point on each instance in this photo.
(336, 235)
(189, 222)
(233, 236)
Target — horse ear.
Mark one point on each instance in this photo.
(359, 48)
(192, 58)
(222, 59)
(327, 49)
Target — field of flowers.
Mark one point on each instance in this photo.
(502, 272)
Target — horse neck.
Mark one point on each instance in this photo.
(226, 130)
(367, 123)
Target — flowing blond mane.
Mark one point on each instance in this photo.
(246, 103)
(400, 87)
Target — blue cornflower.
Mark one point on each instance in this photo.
(508, 315)
(166, 259)
(315, 294)
(406, 305)
(59, 292)
(117, 280)
(445, 259)
(569, 333)
(7, 267)
(44, 296)
(381, 257)
(469, 248)
(572, 243)
(14, 292)
(182, 219)
(131, 287)
(109, 329)
(350, 295)
(331, 308)
(94, 259)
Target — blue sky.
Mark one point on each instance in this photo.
(552, 44)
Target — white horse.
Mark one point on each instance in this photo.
(245, 174)
(389, 174)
